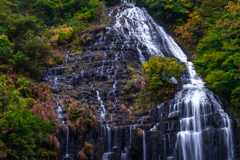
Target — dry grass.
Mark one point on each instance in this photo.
(61, 102)
(129, 111)
(80, 115)
(81, 155)
(55, 143)
(45, 106)
(45, 110)
(112, 128)
(86, 106)
(57, 132)
(148, 118)
(63, 129)
(140, 133)
(123, 109)
(71, 127)
(89, 149)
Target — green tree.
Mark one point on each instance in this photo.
(5, 50)
(23, 134)
(160, 70)
(18, 25)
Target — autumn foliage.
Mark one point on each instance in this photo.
(211, 29)
(25, 122)
(86, 152)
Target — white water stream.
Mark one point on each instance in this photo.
(144, 147)
(193, 99)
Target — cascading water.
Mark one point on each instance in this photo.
(60, 116)
(188, 127)
(101, 109)
(143, 28)
(144, 147)
(194, 103)
(114, 85)
(108, 146)
(60, 113)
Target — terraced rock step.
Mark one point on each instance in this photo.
(191, 126)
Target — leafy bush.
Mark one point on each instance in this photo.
(18, 25)
(160, 70)
(23, 134)
(45, 10)
(62, 37)
(152, 85)
(218, 60)
(5, 50)
(211, 28)
(67, 36)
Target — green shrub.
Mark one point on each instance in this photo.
(160, 70)
(23, 134)
(86, 15)
(5, 50)
(58, 59)
(18, 25)
(151, 85)
(62, 37)
(72, 35)
(45, 10)
(218, 61)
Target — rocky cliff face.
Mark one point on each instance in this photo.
(192, 126)
(96, 76)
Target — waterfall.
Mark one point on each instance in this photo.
(144, 147)
(60, 116)
(101, 109)
(109, 139)
(66, 59)
(59, 111)
(191, 126)
(194, 103)
(67, 155)
(115, 138)
(108, 149)
(130, 134)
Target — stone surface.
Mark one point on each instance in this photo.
(103, 67)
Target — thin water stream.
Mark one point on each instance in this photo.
(194, 103)
(194, 107)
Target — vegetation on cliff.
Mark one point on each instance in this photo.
(211, 29)
(153, 83)
(34, 34)
(26, 117)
